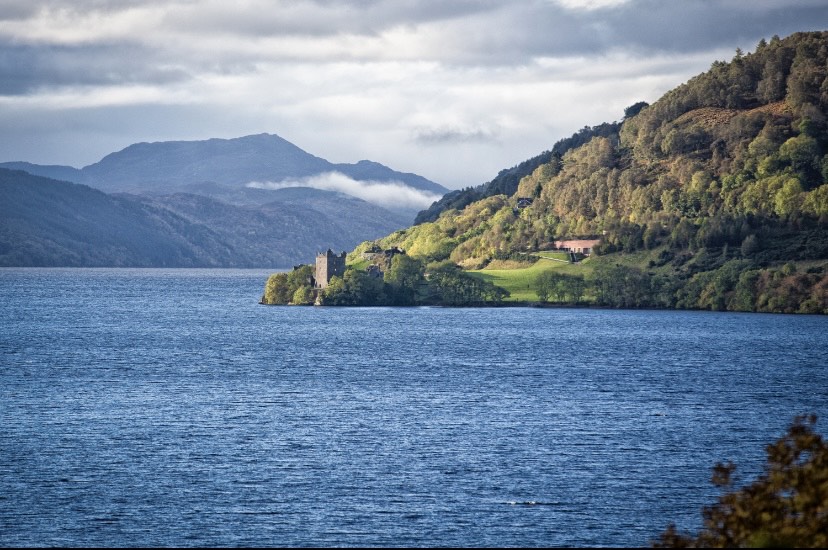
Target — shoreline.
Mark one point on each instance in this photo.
(537, 305)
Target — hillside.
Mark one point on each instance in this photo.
(44, 222)
(222, 169)
(506, 182)
(713, 197)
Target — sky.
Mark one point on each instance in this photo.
(452, 90)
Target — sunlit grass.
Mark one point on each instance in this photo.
(521, 282)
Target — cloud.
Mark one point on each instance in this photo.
(454, 91)
(589, 5)
(444, 135)
(388, 194)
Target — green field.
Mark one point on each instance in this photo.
(521, 282)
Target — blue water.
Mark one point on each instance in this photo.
(166, 407)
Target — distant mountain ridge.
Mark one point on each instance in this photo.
(45, 222)
(241, 202)
(227, 164)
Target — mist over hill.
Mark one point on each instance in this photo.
(45, 222)
(226, 169)
(253, 201)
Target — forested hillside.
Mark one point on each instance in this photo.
(44, 222)
(713, 197)
(506, 182)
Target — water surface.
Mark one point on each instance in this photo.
(166, 407)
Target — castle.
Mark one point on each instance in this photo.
(328, 264)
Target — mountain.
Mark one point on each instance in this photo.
(713, 197)
(44, 222)
(220, 168)
(53, 171)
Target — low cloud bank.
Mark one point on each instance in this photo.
(388, 194)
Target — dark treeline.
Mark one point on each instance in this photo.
(735, 285)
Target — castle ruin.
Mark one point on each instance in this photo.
(328, 264)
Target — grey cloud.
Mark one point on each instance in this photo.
(520, 32)
(13, 10)
(463, 33)
(699, 26)
(453, 135)
(25, 68)
(324, 18)
(320, 69)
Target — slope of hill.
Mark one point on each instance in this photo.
(53, 171)
(506, 182)
(44, 222)
(714, 197)
(221, 168)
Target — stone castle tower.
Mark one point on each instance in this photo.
(328, 264)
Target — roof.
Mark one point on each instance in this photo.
(580, 243)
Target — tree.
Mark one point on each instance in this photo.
(804, 156)
(403, 279)
(787, 506)
(277, 290)
(449, 285)
(623, 287)
(303, 296)
(576, 287)
(549, 284)
(355, 288)
(750, 246)
(634, 109)
(284, 288)
(335, 293)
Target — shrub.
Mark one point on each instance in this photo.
(787, 506)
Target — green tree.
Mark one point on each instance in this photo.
(277, 290)
(355, 288)
(335, 293)
(804, 155)
(786, 507)
(750, 246)
(576, 287)
(634, 109)
(363, 289)
(552, 284)
(623, 287)
(301, 276)
(449, 285)
(403, 279)
(282, 288)
(744, 295)
(303, 296)
(549, 284)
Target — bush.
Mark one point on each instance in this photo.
(787, 506)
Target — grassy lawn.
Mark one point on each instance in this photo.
(521, 282)
(360, 264)
(553, 255)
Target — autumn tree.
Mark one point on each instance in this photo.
(786, 507)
